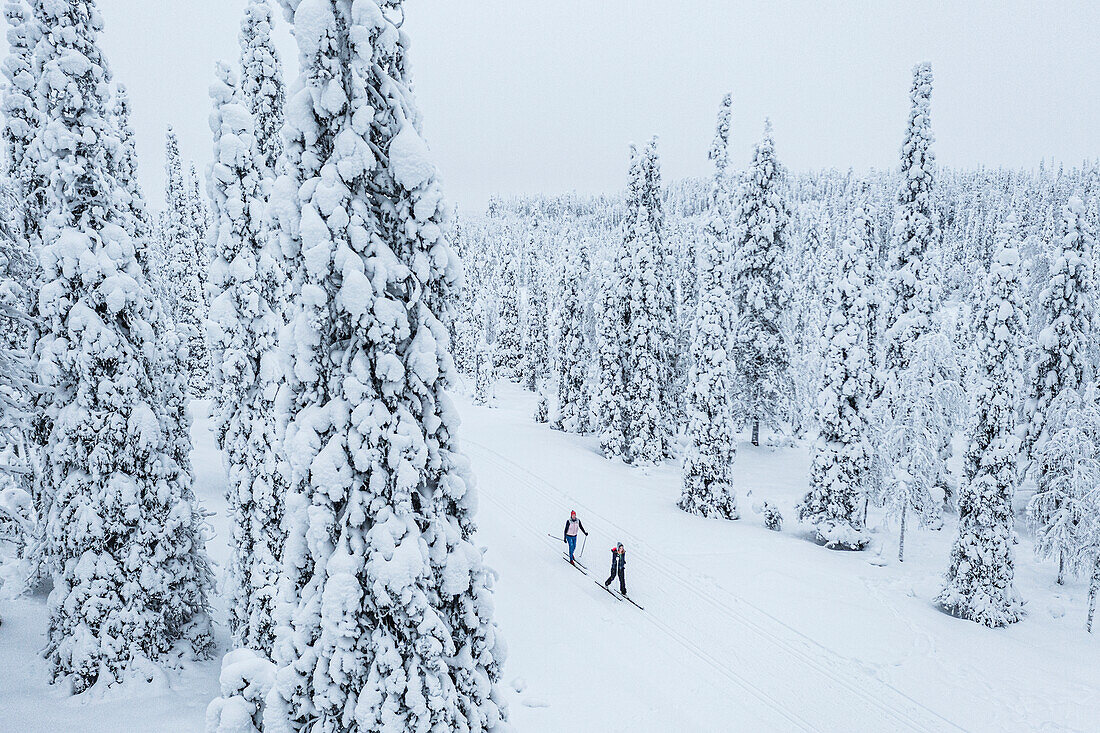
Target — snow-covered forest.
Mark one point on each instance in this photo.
(283, 454)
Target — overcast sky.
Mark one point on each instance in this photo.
(544, 96)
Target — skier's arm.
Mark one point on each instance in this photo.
(581, 525)
(565, 532)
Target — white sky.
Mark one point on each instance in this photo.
(544, 95)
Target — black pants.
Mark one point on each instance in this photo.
(622, 579)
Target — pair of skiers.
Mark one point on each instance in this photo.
(618, 553)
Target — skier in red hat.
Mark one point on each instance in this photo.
(572, 526)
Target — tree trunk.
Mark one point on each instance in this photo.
(1061, 567)
(756, 432)
(901, 536)
(866, 501)
(1094, 586)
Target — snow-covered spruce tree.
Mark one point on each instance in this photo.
(169, 369)
(510, 327)
(123, 530)
(910, 290)
(22, 117)
(1067, 307)
(243, 329)
(980, 576)
(811, 264)
(670, 403)
(200, 216)
(18, 274)
(841, 467)
(485, 373)
(22, 189)
(708, 462)
(535, 365)
(573, 358)
(1061, 512)
(184, 269)
(611, 322)
(760, 289)
(261, 82)
(385, 615)
(909, 435)
(647, 423)
(126, 166)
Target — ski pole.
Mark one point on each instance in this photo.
(581, 553)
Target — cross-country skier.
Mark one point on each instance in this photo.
(572, 526)
(618, 567)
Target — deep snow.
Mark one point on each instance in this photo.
(744, 628)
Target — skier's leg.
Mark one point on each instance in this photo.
(571, 540)
(622, 581)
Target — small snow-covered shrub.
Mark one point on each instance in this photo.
(773, 520)
(245, 680)
(542, 410)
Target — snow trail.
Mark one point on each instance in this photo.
(787, 679)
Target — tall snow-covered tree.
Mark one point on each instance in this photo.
(126, 161)
(664, 285)
(22, 118)
(510, 326)
(910, 296)
(910, 292)
(708, 462)
(184, 269)
(1067, 307)
(245, 280)
(840, 472)
(21, 188)
(385, 617)
(611, 322)
(645, 371)
(18, 274)
(535, 365)
(980, 576)
(909, 434)
(811, 266)
(761, 290)
(261, 82)
(123, 530)
(573, 358)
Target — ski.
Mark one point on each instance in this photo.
(613, 593)
(621, 597)
(575, 564)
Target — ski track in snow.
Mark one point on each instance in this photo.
(881, 657)
(789, 677)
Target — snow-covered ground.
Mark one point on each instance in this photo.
(744, 628)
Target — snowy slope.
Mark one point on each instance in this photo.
(747, 629)
(744, 629)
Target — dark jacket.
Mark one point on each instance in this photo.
(618, 562)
